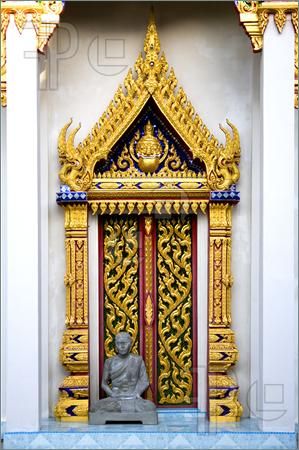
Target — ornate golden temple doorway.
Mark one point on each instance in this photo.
(148, 167)
(147, 288)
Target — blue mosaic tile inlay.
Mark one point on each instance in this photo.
(176, 430)
(226, 196)
(65, 195)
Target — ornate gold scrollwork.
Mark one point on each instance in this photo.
(220, 279)
(120, 280)
(223, 353)
(150, 186)
(76, 277)
(254, 16)
(149, 307)
(175, 378)
(151, 79)
(168, 155)
(44, 16)
(149, 207)
(74, 349)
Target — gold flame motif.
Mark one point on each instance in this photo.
(120, 280)
(175, 378)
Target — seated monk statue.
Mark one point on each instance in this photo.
(124, 380)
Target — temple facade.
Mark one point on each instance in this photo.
(141, 153)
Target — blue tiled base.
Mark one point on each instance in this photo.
(180, 430)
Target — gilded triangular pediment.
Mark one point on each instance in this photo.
(150, 149)
(122, 144)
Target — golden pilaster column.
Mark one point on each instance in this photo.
(223, 390)
(73, 400)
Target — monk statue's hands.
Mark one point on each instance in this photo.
(115, 392)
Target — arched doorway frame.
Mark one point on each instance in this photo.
(212, 193)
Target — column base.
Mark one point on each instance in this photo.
(72, 405)
(224, 405)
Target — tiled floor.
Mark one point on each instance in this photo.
(179, 430)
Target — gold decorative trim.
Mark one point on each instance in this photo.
(72, 381)
(76, 277)
(5, 17)
(149, 307)
(224, 405)
(148, 207)
(117, 193)
(295, 24)
(151, 79)
(254, 16)
(44, 16)
(78, 407)
(121, 284)
(139, 151)
(174, 311)
(223, 353)
(74, 349)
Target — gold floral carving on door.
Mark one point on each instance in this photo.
(120, 280)
(174, 264)
(165, 341)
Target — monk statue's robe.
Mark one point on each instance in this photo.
(128, 380)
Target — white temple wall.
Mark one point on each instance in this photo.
(213, 61)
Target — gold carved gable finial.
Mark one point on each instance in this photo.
(153, 65)
(151, 41)
(150, 79)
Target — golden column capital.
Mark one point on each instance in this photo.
(254, 16)
(44, 16)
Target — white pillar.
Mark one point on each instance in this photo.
(22, 370)
(277, 383)
(3, 263)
